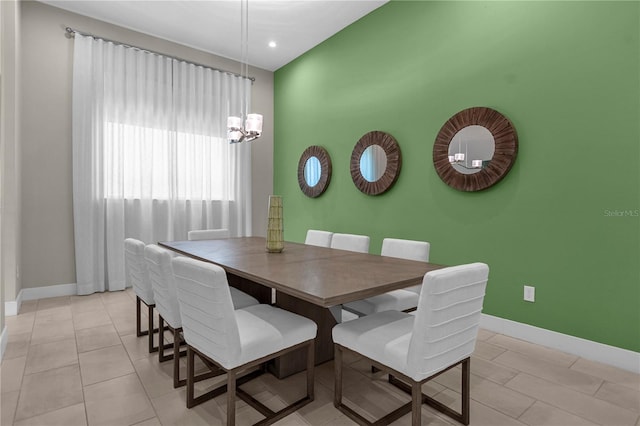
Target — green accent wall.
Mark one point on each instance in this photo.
(565, 219)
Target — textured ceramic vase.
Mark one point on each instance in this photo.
(275, 230)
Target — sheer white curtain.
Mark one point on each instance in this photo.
(150, 156)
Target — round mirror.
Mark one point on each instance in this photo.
(462, 165)
(471, 149)
(314, 171)
(373, 163)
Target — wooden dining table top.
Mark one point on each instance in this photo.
(323, 276)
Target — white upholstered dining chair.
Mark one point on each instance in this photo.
(165, 294)
(235, 341)
(350, 242)
(137, 276)
(318, 238)
(414, 349)
(208, 234)
(398, 300)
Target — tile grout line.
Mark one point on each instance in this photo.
(155, 413)
(84, 398)
(564, 388)
(603, 380)
(512, 390)
(15, 412)
(362, 373)
(26, 359)
(24, 374)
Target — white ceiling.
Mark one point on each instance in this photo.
(214, 25)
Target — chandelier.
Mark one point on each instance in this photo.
(247, 127)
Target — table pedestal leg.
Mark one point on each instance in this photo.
(296, 361)
(260, 292)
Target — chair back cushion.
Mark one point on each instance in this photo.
(136, 272)
(208, 320)
(351, 242)
(164, 288)
(406, 249)
(318, 238)
(447, 319)
(208, 234)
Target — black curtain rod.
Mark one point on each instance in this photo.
(72, 32)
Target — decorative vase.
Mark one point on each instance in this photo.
(275, 231)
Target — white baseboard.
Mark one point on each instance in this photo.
(617, 357)
(12, 308)
(49, 291)
(3, 342)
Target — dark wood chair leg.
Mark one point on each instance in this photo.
(190, 381)
(176, 359)
(152, 348)
(466, 394)
(231, 398)
(411, 387)
(139, 331)
(150, 326)
(177, 381)
(416, 404)
(238, 376)
(161, 345)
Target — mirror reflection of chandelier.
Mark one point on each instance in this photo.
(471, 148)
(459, 158)
(252, 128)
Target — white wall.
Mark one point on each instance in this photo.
(47, 211)
(9, 153)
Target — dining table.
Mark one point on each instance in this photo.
(308, 280)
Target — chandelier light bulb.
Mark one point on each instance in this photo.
(254, 123)
(234, 123)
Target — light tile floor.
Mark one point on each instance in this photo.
(77, 361)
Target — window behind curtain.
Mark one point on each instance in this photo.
(176, 164)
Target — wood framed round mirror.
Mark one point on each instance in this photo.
(375, 162)
(314, 171)
(475, 149)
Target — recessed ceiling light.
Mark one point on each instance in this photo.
(272, 44)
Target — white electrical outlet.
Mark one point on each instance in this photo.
(529, 293)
